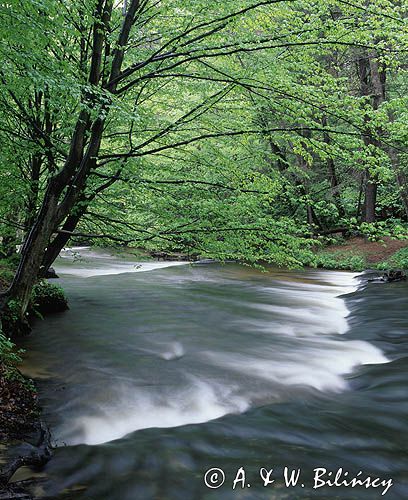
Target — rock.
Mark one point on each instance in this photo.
(51, 274)
(394, 275)
(390, 276)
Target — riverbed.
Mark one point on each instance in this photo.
(162, 371)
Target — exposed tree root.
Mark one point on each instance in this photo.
(38, 457)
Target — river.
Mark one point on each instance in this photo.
(162, 371)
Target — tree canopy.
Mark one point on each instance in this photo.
(243, 129)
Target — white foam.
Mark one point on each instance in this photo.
(175, 351)
(90, 272)
(196, 403)
(321, 365)
(86, 263)
(306, 351)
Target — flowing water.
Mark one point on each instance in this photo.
(161, 371)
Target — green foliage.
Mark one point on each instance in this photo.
(7, 269)
(338, 260)
(238, 130)
(6, 274)
(12, 311)
(9, 355)
(10, 358)
(11, 261)
(44, 289)
(47, 297)
(398, 261)
(378, 230)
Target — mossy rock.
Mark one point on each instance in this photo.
(48, 298)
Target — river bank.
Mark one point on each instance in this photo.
(21, 425)
(354, 254)
(358, 254)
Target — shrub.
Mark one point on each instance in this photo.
(397, 261)
(338, 260)
(48, 298)
(9, 355)
(400, 258)
(12, 325)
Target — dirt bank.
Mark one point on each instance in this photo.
(373, 251)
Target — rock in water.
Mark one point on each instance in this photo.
(394, 275)
(51, 274)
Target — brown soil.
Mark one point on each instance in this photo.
(374, 251)
(18, 406)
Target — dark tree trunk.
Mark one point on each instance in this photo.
(32, 200)
(303, 185)
(360, 197)
(58, 243)
(32, 252)
(370, 201)
(372, 85)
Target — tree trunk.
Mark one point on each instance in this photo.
(35, 167)
(302, 184)
(58, 243)
(370, 201)
(372, 85)
(32, 252)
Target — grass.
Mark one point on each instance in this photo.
(340, 260)
(397, 261)
(358, 254)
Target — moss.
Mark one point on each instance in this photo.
(48, 298)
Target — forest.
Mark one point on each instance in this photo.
(242, 131)
(259, 132)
